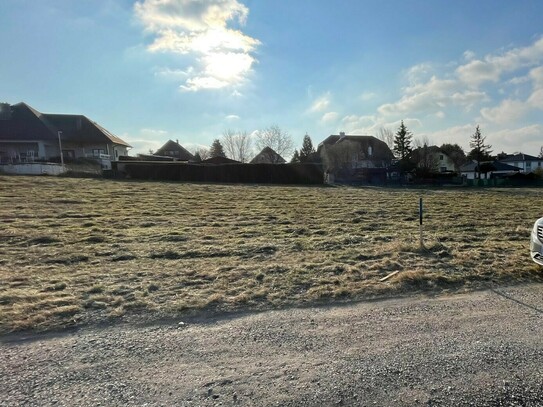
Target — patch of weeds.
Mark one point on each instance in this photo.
(43, 240)
(153, 287)
(57, 287)
(123, 257)
(277, 269)
(122, 290)
(97, 289)
(94, 304)
(95, 239)
(79, 258)
(169, 255)
(174, 238)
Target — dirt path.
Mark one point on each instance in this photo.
(482, 349)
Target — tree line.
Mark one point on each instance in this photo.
(243, 146)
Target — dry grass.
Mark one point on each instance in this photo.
(76, 251)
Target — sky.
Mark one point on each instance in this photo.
(187, 70)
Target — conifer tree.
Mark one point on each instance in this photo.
(480, 151)
(216, 149)
(402, 142)
(306, 150)
(295, 157)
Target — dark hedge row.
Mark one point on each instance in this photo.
(227, 173)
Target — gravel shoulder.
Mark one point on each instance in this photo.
(483, 348)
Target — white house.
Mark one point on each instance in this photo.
(526, 163)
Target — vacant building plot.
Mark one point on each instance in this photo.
(77, 251)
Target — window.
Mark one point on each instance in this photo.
(528, 164)
(97, 151)
(441, 157)
(443, 169)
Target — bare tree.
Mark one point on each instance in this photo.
(420, 142)
(237, 145)
(202, 152)
(540, 153)
(386, 135)
(276, 139)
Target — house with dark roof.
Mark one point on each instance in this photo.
(268, 156)
(488, 169)
(175, 150)
(526, 163)
(27, 135)
(351, 157)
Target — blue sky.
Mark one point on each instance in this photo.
(153, 70)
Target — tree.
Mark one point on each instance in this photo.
(237, 145)
(455, 153)
(424, 158)
(295, 157)
(202, 152)
(307, 149)
(216, 149)
(402, 142)
(540, 152)
(197, 157)
(480, 151)
(276, 139)
(387, 136)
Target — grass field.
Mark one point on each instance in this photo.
(77, 251)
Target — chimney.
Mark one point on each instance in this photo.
(177, 141)
(341, 134)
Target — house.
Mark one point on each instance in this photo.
(27, 135)
(346, 155)
(526, 163)
(219, 160)
(489, 169)
(175, 150)
(432, 159)
(268, 156)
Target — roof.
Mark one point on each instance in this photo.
(26, 123)
(268, 156)
(219, 160)
(380, 147)
(184, 154)
(520, 157)
(496, 166)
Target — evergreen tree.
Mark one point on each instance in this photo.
(402, 142)
(197, 157)
(216, 149)
(306, 150)
(480, 151)
(295, 157)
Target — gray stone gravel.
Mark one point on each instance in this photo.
(478, 349)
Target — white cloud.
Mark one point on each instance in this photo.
(507, 111)
(329, 118)
(469, 55)
(153, 132)
(529, 137)
(320, 104)
(232, 117)
(492, 67)
(200, 28)
(367, 96)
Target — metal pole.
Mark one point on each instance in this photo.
(420, 222)
(60, 147)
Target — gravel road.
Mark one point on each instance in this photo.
(477, 349)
